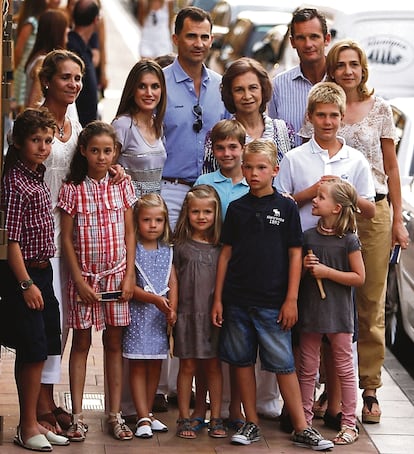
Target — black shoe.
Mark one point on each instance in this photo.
(333, 422)
(160, 404)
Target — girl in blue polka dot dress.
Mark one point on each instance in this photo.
(145, 341)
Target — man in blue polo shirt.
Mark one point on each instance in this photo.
(194, 106)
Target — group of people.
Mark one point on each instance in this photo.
(249, 221)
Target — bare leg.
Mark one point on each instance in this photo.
(290, 390)
(138, 384)
(112, 340)
(235, 410)
(246, 382)
(81, 343)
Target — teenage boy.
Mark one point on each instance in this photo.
(255, 301)
(324, 157)
(227, 138)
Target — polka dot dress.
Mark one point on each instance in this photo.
(146, 336)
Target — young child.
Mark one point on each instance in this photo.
(145, 341)
(333, 256)
(195, 257)
(29, 315)
(228, 138)
(257, 285)
(98, 242)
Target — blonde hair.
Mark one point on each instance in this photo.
(261, 146)
(183, 231)
(344, 194)
(326, 93)
(153, 201)
(332, 60)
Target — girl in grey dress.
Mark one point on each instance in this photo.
(333, 264)
(196, 251)
(145, 341)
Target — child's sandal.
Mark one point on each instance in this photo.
(117, 427)
(76, 431)
(185, 429)
(216, 428)
(344, 437)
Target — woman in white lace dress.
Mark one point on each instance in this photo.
(368, 126)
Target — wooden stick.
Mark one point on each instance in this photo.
(319, 281)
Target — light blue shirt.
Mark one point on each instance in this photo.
(185, 147)
(225, 188)
(290, 98)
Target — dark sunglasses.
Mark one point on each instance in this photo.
(154, 19)
(198, 122)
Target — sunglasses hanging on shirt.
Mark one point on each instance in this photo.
(198, 122)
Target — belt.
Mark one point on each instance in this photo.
(37, 264)
(379, 197)
(178, 181)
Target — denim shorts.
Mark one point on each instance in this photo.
(245, 329)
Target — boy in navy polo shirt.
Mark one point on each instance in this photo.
(257, 284)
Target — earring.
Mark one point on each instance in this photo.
(46, 87)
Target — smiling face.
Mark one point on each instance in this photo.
(66, 83)
(348, 70)
(309, 42)
(326, 120)
(193, 42)
(148, 92)
(36, 148)
(100, 153)
(228, 154)
(247, 93)
(201, 216)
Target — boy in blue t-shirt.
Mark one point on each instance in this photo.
(257, 284)
(227, 141)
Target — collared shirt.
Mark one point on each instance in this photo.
(87, 101)
(99, 229)
(25, 198)
(305, 165)
(185, 147)
(225, 188)
(290, 98)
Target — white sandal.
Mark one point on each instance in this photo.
(143, 430)
(345, 438)
(157, 425)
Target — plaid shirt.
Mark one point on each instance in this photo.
(25, 198)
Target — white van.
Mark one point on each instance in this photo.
(385, 29)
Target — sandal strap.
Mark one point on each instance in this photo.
(346, 436)
(141, 420)
(119, 427)
(369, 401)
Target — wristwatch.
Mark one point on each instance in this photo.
(25, 285)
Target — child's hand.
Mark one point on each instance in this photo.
(171, 317)
(86, 293)
(127, 287)
(310, 260)
(217, 314)
(33, 298)
(163, 304)
(319, 271)
(288, 315)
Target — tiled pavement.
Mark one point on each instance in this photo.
(394, 435)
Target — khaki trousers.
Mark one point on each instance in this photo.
(375, 236)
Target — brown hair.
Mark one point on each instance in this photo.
(237, 68)
(127, 105)
(228, 128)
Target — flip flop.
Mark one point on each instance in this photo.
(367, 416)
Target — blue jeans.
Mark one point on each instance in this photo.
(245, 329)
